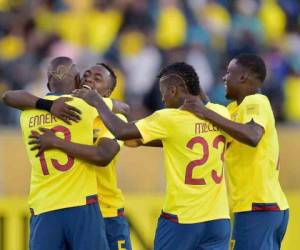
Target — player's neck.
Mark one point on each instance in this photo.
(193, 99)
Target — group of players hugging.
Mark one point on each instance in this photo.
(73, 136)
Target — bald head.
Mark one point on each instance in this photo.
(63, 76)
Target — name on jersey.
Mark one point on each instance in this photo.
(39, 120)
(205, 127)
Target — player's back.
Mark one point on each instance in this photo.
(58, 180)
(194, 152)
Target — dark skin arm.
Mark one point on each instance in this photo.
(249, 133)
(100, 155)
(21, 99)
(120, 108)
(137, 143)
(120, 129)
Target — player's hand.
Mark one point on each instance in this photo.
(42, 141)
(65, 112)
(198, 110)
(91, 97)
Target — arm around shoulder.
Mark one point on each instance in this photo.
(19, 99)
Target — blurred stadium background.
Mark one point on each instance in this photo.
(138, 37)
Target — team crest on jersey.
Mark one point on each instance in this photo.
(253, 109)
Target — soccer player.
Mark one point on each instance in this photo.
(195, 213)
(111, 200)
(259, 205)
(63, 190)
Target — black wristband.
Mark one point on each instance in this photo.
(44, 104)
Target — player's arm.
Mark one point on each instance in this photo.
(138, 142)
(120, 129)
(100, 155)
(120, 108)
(249, 133)
(21, 99)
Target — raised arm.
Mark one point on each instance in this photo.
(100, 155)
(21, 99)
(249, 133)
(120, 108)
(120, 129)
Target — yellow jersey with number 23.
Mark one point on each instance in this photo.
(193, 162)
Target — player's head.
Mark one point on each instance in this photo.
(63, 75)
(177, 81)
(244, 72)
(100, 77)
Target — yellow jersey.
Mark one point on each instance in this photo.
(253, 171)
(59, 180)
(193, 163)
(111, 199)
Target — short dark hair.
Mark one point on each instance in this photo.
(253, 63)
(187, 73)
(112, 74)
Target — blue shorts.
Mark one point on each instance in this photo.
(259, 230)
(209, 235)
(117, 233)
(76, 228)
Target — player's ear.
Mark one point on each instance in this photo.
(172, 90)
(244, 77)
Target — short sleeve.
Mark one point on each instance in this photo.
(257, 111)
(153, 127)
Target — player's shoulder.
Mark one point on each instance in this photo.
(87, 111)
(256, 99)
(218, 108)
(166, 112)
(231, 105)
(160, 116)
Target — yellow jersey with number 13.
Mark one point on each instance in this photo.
(253, 171)
(59, 180)
(194, 153)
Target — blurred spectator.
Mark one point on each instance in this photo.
(278, 69)
(141, 61)
(292, 97)
(171, 25)
(137, 38)
(197, 58)
(273, 20)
